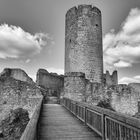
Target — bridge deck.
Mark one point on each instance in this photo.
(56, 123)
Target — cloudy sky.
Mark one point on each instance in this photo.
(32, 35)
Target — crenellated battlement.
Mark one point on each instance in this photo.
(110, 79)
(83, 9)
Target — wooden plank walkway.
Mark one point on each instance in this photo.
(57, 123)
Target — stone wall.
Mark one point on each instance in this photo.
(74, 86)
(109, 80)
(52, 82)
(15, 93)
(83, 42)
(136, 86)
(124, 99)
(78, 88)
(18, 74)
(97, 93)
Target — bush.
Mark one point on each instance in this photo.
(105, 104)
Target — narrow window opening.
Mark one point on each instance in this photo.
(96, 25)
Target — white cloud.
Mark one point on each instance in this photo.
(137, 77)
(122, 49)
(122, 64)
(127, 80)
(17, 43)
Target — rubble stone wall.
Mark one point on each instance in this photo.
(16, 73)
(74, 86)
(52, 82)
(109, 80)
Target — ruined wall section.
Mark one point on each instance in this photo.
(110, 79)
(17, 74)
(124, 98)
(74, 86)
(52, 82)
(115, 77)
(78, 88)
(136, 86)
(83, 42)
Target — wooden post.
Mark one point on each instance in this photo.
(76, 109)
(138, 106)
(104, 127)
(85, 115)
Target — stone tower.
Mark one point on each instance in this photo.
(83, 42)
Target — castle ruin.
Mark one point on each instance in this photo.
(83, 54)
(83, 58)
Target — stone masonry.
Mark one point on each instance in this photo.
(17, 74)
(74, 85)
(83, 42)
(83, 51)
(110, 80)
(52, 82)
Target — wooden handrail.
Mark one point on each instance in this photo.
(108, 124)
(30, 132)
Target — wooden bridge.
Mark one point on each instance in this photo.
(72, 120)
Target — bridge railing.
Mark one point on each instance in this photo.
(30, 132)
(108, 124)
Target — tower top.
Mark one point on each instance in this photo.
(83, 8)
